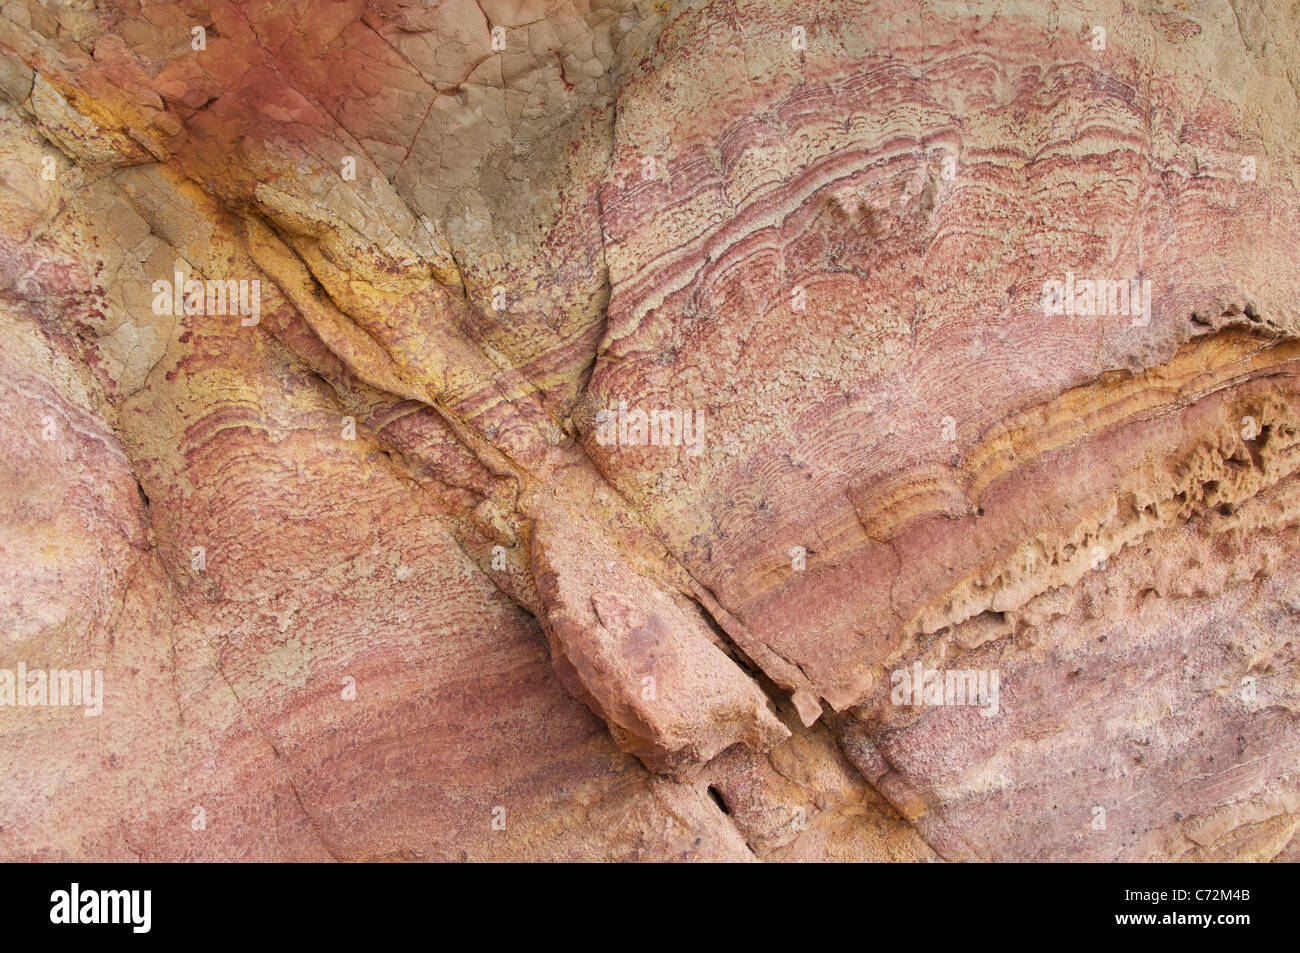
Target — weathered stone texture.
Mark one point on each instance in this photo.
(372, 573)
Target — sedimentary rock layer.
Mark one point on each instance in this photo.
(549, 431)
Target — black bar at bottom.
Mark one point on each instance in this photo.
(332, 904)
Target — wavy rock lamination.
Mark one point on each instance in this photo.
(634, 393)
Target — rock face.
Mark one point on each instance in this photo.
(629, 430)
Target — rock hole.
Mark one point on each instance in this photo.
(717, 799)
(1253, 447)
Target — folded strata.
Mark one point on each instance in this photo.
(648, 417)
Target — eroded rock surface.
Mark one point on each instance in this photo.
(625, 404)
